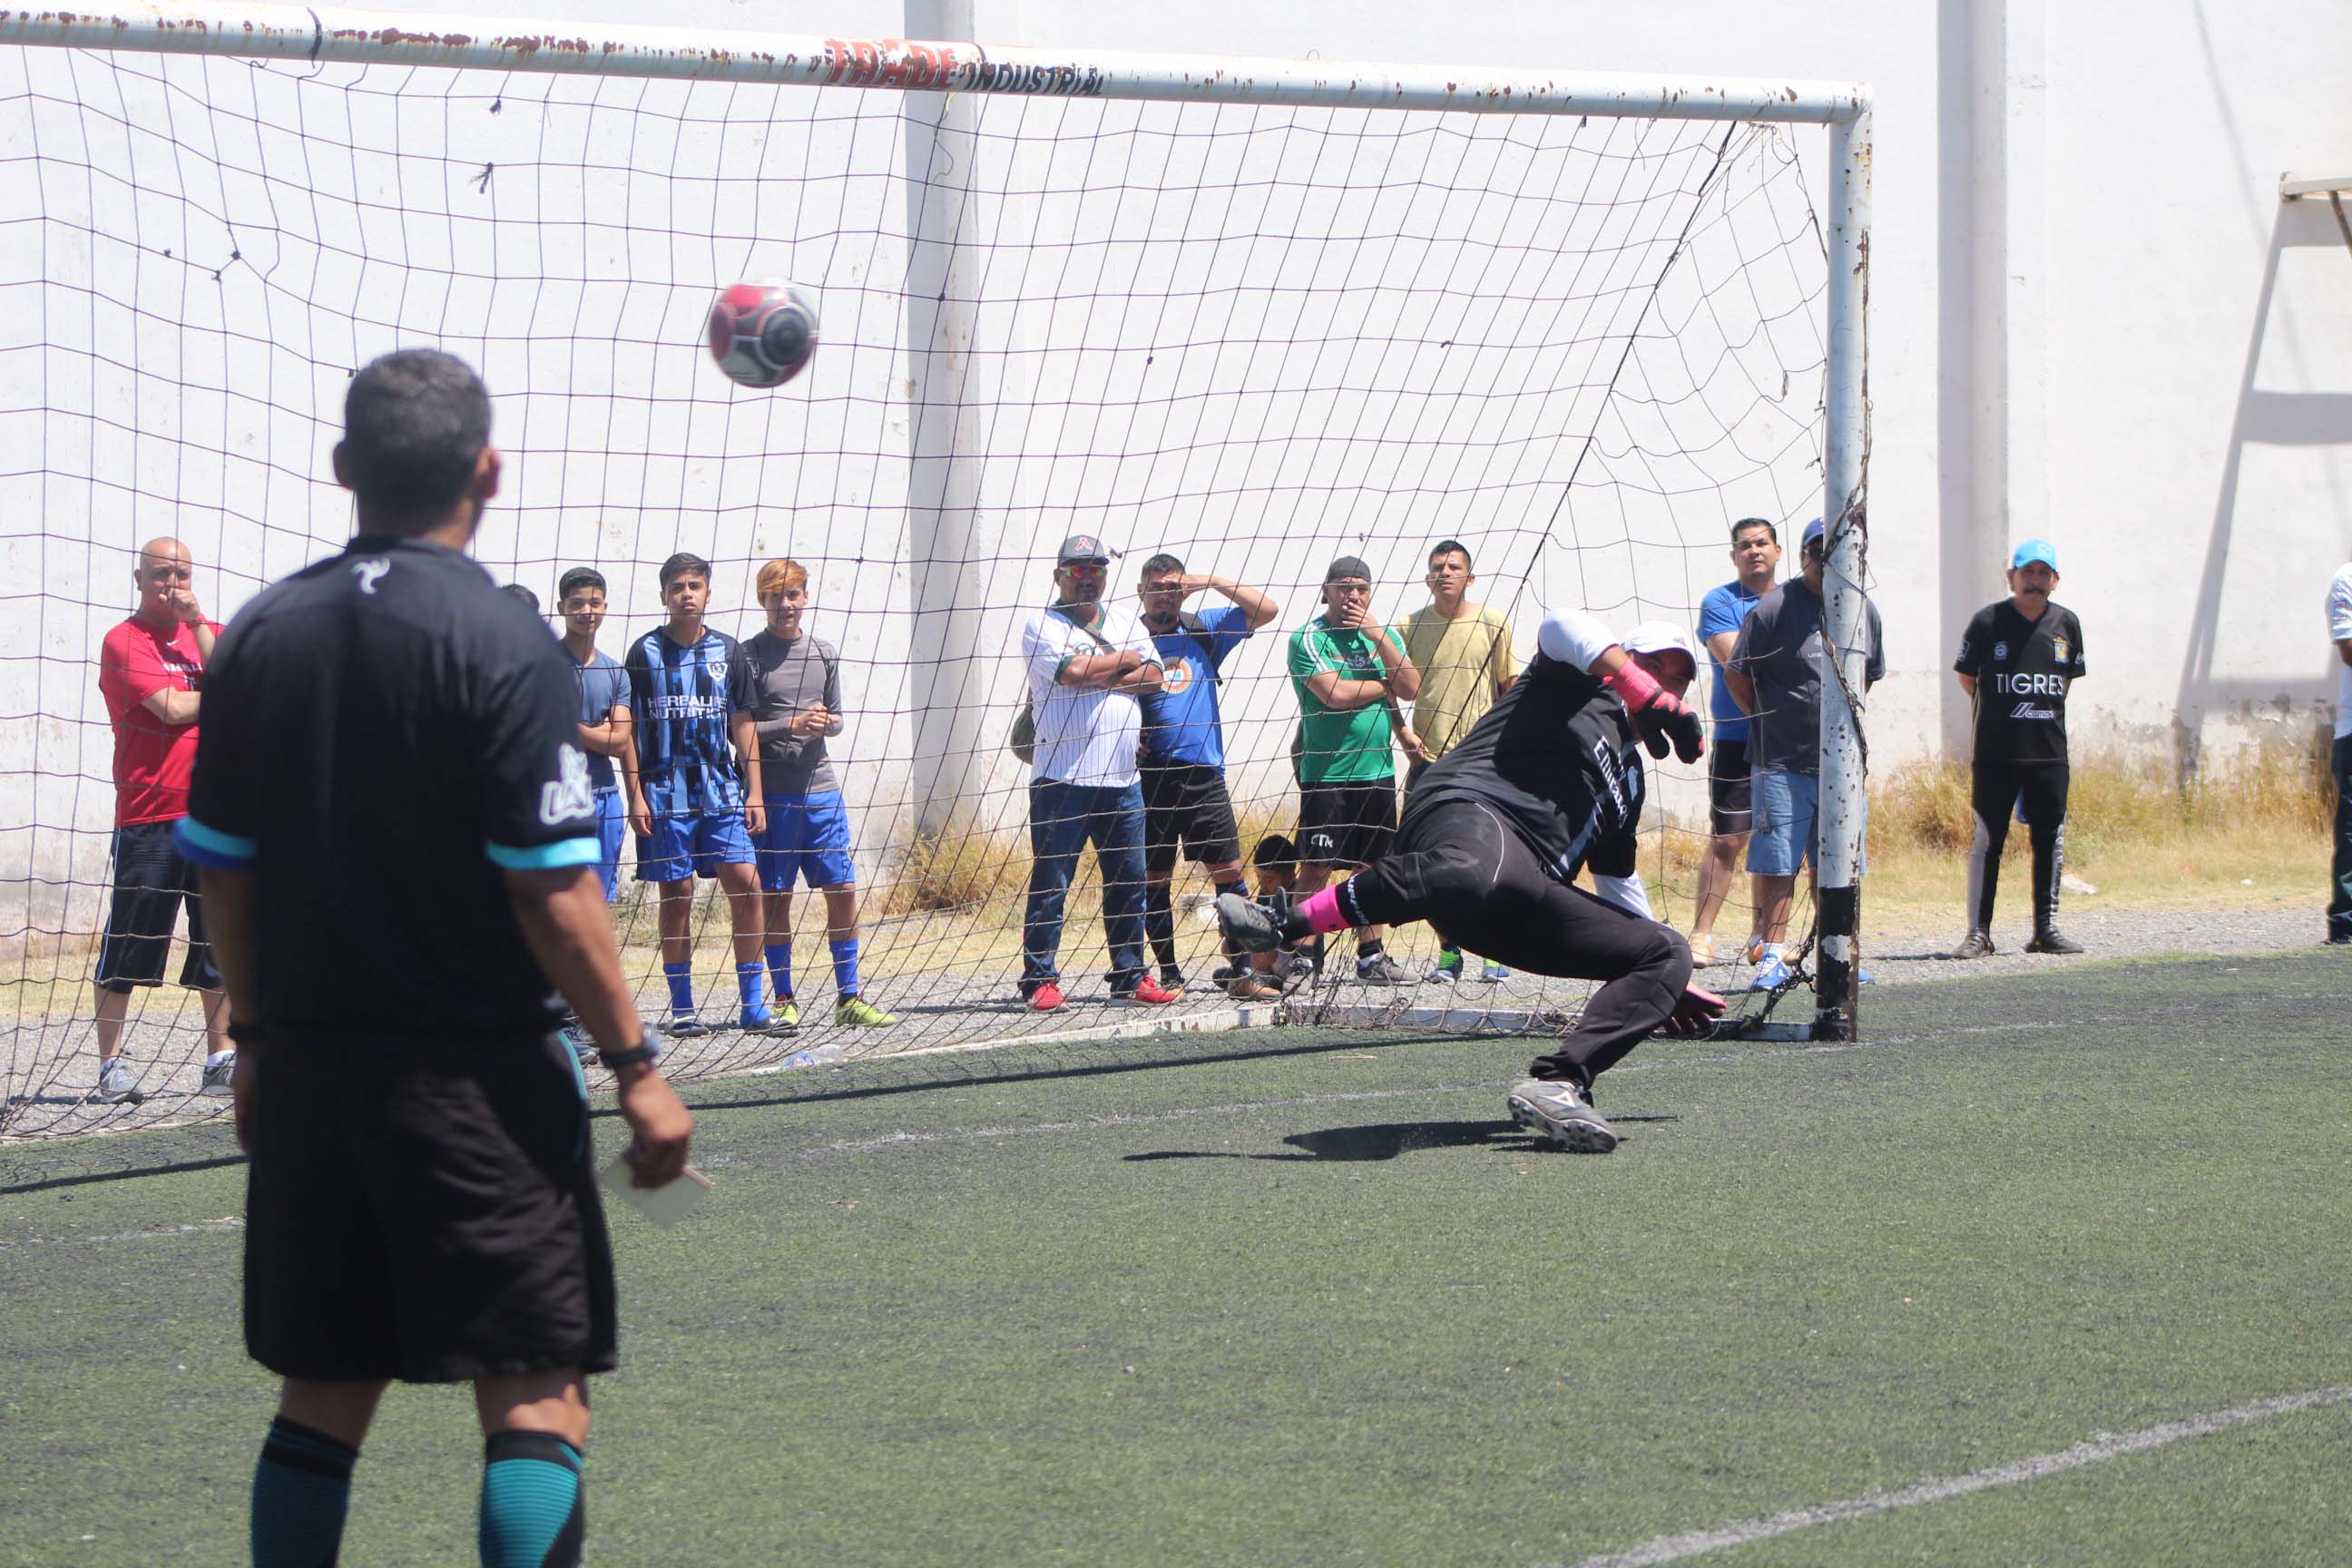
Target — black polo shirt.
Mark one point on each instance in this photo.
(2023, 670)
(383, 732)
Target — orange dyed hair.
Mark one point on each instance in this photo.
(781, 573)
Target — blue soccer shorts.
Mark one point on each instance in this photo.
(807, 835)
(694, 844)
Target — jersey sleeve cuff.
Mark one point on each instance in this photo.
(211, 846)
(545, 857)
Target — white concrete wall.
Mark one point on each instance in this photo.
(2091, 318)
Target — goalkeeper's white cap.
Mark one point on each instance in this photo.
(1661, 636)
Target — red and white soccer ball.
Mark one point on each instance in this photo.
(763, 333)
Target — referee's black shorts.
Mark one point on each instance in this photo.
(423, 1210)
(151, 880)
(1346, 824)
(1187, 803)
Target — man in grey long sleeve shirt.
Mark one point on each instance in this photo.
(798, 680)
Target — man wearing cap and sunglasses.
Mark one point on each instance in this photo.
(1088, 663)
(2017, 660)
(1547, 784)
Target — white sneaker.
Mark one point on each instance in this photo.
(117, 1085)
(220, 1078)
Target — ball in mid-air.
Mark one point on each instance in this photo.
(763, 333)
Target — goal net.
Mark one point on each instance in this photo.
(1253, 335)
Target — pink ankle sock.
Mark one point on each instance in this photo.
(1321, 911)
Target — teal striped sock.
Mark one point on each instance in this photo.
(531, 1511)
(301, 1490)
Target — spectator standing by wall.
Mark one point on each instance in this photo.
(1730, 801)
(2339, 631)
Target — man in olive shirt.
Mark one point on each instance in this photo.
(1349, 673)
(1464, 654)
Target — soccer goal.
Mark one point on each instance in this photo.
(1250, 314)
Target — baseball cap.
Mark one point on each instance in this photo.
(1812, 534)
(2034, 550)
(1082, 547)
(1348, 566)
(1661, 636)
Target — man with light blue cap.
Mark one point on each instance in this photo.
(2017, 660)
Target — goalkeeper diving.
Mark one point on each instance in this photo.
(1548, 784)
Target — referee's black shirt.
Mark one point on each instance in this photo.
(383, 731)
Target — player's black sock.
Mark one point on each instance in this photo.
(1159, 923)
(301, 1490)
(1369, 948)
(532, 1513)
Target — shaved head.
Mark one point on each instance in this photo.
(164, 549)
(165, 576)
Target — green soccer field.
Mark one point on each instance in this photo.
(1307, 1298)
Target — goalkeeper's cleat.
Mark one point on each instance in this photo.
(1771, 974)
(1247, 925)
(1976, 944)
(856, 1013)
(1559, 1110)
(2050, 939)
(115, 1083)
(684, 1027)
(1447, 970)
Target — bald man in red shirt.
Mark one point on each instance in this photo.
(150, 670)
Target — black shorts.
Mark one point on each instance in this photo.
(1187, 803)
(1730, 791)
(151, 879)
(423, 1210)
(1346, 824)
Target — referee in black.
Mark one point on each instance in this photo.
(396, 834)
(2018, 659)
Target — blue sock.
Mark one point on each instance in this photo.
(747, 978)
(844, 965)
(301, 1489)
(780, 966)
(531, 1513)
(681, 987)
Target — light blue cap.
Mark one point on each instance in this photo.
(2034, 550)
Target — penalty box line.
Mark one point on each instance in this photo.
(2097, 1450)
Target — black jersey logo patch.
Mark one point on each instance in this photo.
(2001, 650)
(2058, 648)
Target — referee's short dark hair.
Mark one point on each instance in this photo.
(1745, 523)
(679, 565)
(414, 423)
(1451, 547)
(580, 577)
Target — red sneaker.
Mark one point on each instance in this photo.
(1046, 998)
(1151, 993)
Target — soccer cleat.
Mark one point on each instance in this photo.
(1381, 970)
(755, 1021)
(1247, 925)
(858, 1013)
(115, 1083)
(1249, 988)
(1149, 992)
(1447, 970)
(2050, 939)
(1976, 944)
(1770, 975)
(1046, 998)
(1702, 951)
(1494, 972)
(684, 1027)
(1171, 980)
(2338, 939)
(1559, 1110)
(220, 1078)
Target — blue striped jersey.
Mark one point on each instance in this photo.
(681, 699)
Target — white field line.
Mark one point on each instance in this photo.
(211, 1225)
(2098, 1450)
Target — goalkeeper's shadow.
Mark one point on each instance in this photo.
(1385, 1141)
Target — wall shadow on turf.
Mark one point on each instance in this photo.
(1378, 1141)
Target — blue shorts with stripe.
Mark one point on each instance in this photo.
(807, 835)
(693, 843)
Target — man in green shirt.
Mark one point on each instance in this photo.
(1349, 673)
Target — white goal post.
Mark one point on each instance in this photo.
(947, 311)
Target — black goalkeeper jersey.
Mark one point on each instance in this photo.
(2022, 671)
(1558, 760)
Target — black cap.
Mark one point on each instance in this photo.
(1082, 547)
(1348, 566)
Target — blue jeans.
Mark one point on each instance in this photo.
(1061, 817)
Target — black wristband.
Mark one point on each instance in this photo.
(617, 1060)
(246, 1034)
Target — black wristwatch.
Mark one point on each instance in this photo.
(643, 1051)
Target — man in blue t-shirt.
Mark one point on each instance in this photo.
(603, 715)
(1185, 802)
(692, 691)
(1756, 556)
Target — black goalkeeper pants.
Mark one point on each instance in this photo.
(2039, 793)
(1457, 866)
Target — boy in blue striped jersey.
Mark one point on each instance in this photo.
(695, 802)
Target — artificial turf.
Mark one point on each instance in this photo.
(1305, 1297)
